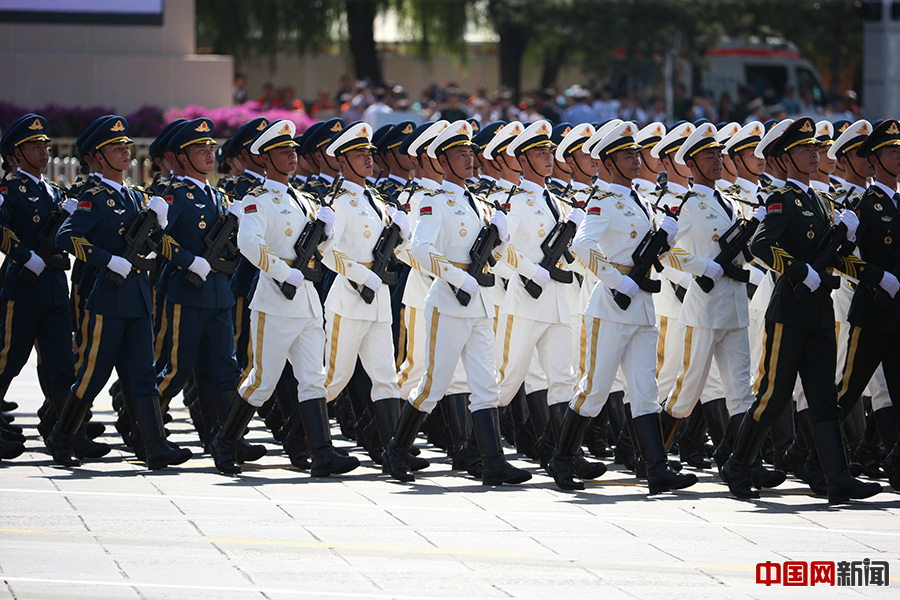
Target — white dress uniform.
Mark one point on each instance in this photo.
(274, 216)
(614, 226)
(528, 323)
(354, 328)
(447, 225)
(713, 324)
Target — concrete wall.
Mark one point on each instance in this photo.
(122, 66)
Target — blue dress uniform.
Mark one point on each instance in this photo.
(200, 320)
(119, 330)
(35, 311)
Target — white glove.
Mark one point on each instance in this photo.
(628, 287)
(849, 218)
(890, 284)
(713, 270)
(295, 278)
(373, 282)
(756, 275)
(119, 265)
(686, 280)
(2, 199)
(236, 208)
(200, 266)
(35, 264)
(69, 205)
(469, 286)
(401, 220)
(759, 214)
(576, 217)
(541, 277)
(500, 221)
(161, 208)
(326, 215)
(670, 226)
(812, 280)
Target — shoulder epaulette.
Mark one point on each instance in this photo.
(602, 196)
(734, 190)
(100, 187)
(257, 191)
(436, 192)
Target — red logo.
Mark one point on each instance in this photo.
(425, 211)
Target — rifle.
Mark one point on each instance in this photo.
(221, 237)
(556, 246)
(307, 245)
(50, 253)
(481, 253)
(138, 243)
(882, 299)
(732, 243)
(384, 258)
(646, 257)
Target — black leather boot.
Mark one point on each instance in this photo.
(723, 450)
(568, 443)
(624, 451)
(539, 418)
(453, 411)
(326, 460)
(82, 445)
(692, 443)
(842, 487)
(715, 413)
(244, 451)
(597, 437)
(158, 453)
(670, 427)
(811, 472)
(660, 476)
(10, 449)
(494, 468)
(60, 442)
(867, 452)
(738, 471)
(891, 466)
(584, 468)
(225, 443)
(387, 413)
(396, 455)
(295, 442)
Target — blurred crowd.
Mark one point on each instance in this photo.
(362, 101)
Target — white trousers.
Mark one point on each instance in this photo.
(449, 339)
(413, 367)
(372, 342)
(669, 354)
(610, 344)
(731, 349)
(517, 340)
(276, 338)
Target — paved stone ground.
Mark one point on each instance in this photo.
(112, 529)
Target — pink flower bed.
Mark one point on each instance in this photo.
(229, 118)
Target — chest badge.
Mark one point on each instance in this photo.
(798, 202)
(451, 202)
(810, 234)
(463, 233)
(22, 189)
(288, 232)
(619, 205)
(367, 234)
(529, 202)
(354, 202)
(888, 240)
(202, 224)
(190, 196)
(715, 237)
(878, 207)
(633, 234)
(806, 213)
(541, 233)
(702, 205)
(110, 202)
(36, 218)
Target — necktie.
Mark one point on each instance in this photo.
(129, 201)
(550, 205)
(896, 200)
(471, 201)
(372, 204)
(725, 206)
(637, 201)
(293, 195)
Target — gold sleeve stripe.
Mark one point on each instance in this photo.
(851, 263)
(511, 257)
(340, 260)
(265, 257)
(778, 257)
(437, 263)
(79, 243)
(166, 246)
(596, 259)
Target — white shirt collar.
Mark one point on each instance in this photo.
(353, 188)
(116, 186)
(676, 188)
(703, 190)
(577, 185)
(820, 186)
(38, 181)
(777, 182)
(746, 184)
(615, 188)
(453, 188)
(255, 174)
(201, 184)
(644, 184)
(328, 178)
(397, 179)
(800, 185)
(890, 193)
(534, 188)
(429, 184)
(560, 181)
(276, 186)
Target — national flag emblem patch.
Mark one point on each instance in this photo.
(594, 210)
(775, 208)
(249, 209)
(3, 190)
(169, 199)
(425, 211)
(85, 205)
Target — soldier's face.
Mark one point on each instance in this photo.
(36, 154)
(628, 162)
(117, 155)
(361, 162)
(202, 157)
(805, 158)
(583, 161)
(727, 163)
(654, 164)
(753, 163)
(461, 160)
(890, 158)
(541, 160)
(709, 162)
(826, 165)
(284, 159)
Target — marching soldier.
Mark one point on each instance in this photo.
(120, 332)
(874, 315)
(274, 217)
(648, 137)
(800, 320)
(615, 225)
(729, 170)
(455, 329)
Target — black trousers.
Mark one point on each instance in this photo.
(868, 348)
(792, 351)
